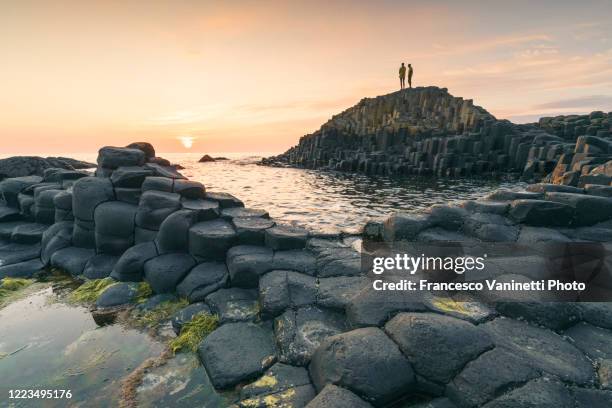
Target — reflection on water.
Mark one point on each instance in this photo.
(326, 201)
(51, 345)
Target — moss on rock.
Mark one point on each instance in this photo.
(194, 331)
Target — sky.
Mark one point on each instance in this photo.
(254, 76)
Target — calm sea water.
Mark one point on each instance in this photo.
(322, 201)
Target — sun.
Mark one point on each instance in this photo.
(186, 141)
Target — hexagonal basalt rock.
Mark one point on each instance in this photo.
(205, 210)
(211, 239)
(237, 352)
(251, 230)
(541, 213)
(299, 332)
(187, 314)
(166, 271)
(541, 349)
(154, 207)
(130, 177)
(72, 259)
(365, 361)
(113, 157)
(87, 193)
(158, 183)
(189, 189)
(279, 290)
(203, 280)
(337, 397)
(100, 266)
(118, 294)
(437, 346)
(336, 292)
(482, 379)
(541, 392)
(298, 260)
(130, 266)
(280, 377)
(373, 308)
(234, 304)
(173, 235)
(589, 209)
(285, 237)
(225, 200)
(247, 263)
(594, 341)
(338, 262)
(241, 212)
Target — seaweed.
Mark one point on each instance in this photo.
(91, 290)
(154, 317)
(193, 332)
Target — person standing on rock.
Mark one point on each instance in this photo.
(409, 75)
(402, 76)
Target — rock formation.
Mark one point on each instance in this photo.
(299, 322)
(427, 131)
(20, 166)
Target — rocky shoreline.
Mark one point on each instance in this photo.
(296, 322)
(427, 131)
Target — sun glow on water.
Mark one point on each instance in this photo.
(186, 141)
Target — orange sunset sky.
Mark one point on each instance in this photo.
(238, 76)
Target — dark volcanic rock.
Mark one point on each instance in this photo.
(246, 263)
(147, 148)
(166, 271)
(206, 158)
(337, 397)
(279, 290)
(100, 266)
(154, 207)
(237, 352)
(130, 266)
(251, 230)
(187, 314)
(378, 371)
(284, 237)
(20, 166)
(449, 343)
(72, 259)
(541, 213)
(114, 157)
(234, 304)
(211, 239)
(117, 295)
(202, 280)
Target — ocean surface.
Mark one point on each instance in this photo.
(322, 201)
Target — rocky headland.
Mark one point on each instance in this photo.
(427, 131)
(288, 318)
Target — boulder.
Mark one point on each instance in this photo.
(118, 294)
(299, 260)
(337, 292)
(114, 157)
(56, 237)
(12, 253)
(437, 346)
(205, 210)
(173, 235)
(279, 290)
(247, 263)
(365, 361)
(130, 176)
(189, 189)
(284, 237)
(155, 207)
(11, 187)
(541, 349)
(147, 148)
(88, 193)
(130, 266)
(206, 158)
(401, 226)
(43, 206)
(157, 183)
(8, 214)
(337, 397)
(114, 226)
(234, 304)
(84, 234)
(300, 331)
(541, 213)
(589, 209)
(32, 166)
(236, 352)
(128, 195)
(211, 240)
(482, 379)
(72, 259)
(338, 262)
(164, 171)
(100, 266)
(203, 280)
(373, 308)
(26, 269)
(166, 271)
(225, 200)
(251, 230)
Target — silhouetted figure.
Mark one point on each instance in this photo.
(409, 75)
(402, 76)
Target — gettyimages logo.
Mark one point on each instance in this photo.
(411, 264)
